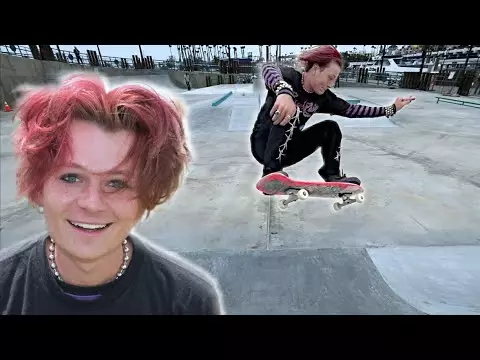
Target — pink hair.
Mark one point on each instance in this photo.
(160, 152)
(321, 55)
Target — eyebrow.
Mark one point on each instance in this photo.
(109, 172)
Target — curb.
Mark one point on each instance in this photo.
(222, 99)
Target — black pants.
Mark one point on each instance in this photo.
(325, 135)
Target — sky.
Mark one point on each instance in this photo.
(162, 52)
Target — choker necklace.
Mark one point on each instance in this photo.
(54, 267)
(303, 86)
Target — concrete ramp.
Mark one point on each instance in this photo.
(301, 282)
(160, 80)
(245, 107)
(196, 98)
(383, 281)
(436, 280)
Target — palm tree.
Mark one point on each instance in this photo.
(424, 55)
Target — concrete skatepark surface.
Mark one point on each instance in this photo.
(411, 248)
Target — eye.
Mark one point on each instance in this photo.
(70, 178)
(118, 184)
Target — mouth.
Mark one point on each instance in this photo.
(89, 228)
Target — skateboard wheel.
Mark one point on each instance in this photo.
(302, 194)
(337, 206)
(359, 198)
(283, 204)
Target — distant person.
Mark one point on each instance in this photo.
(278, 139)
(96, 162)
(186, 77)
(77, 55)
(477, 87)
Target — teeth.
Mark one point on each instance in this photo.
(89, 226)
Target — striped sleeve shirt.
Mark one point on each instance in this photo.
(272, 74)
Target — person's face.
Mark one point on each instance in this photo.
(322, 79)
(91, 191)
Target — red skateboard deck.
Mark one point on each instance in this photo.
(279, 184)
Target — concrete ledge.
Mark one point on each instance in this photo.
(222, 99)
(353, 101)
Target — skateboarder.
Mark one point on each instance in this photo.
(278, 139)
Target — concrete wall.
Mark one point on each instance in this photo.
(16, 71)
(199, 79)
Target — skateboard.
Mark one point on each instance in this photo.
(279, 184)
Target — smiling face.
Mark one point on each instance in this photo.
(321, 79)
(92, 191)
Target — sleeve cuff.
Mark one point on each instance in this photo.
(285, 91)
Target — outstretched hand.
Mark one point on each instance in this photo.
(400, 102)
(283, 110)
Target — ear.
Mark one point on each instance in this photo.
(315, 68)
(37, 199)
(320, 69)
(37, 206)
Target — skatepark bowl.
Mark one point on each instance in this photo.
(412, 247)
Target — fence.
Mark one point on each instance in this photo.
(463, 81)
(92, 58)
(362, 76)
(453, 80)
(451, 77)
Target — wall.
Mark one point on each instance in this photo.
(15, 71)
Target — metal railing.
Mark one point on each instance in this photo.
(71, 57)
(386, 79)
(82, 58)
(467, 78)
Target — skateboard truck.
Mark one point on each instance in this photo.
(294, 195)
(348, 199)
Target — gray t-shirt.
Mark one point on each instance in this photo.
(155, 283)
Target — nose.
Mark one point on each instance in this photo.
(91, 198)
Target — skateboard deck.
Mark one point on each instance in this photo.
(279, 184)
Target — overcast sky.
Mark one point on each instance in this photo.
(162, 52)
